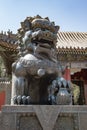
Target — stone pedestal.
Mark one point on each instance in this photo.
(43, 117)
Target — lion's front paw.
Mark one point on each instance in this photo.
(19, 100)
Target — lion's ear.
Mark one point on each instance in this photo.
(47, 18)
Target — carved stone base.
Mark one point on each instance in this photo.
(43, 117)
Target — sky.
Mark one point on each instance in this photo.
(70, 15)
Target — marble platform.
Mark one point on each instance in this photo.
(43, 117)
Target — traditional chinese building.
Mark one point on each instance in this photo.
(72, 52)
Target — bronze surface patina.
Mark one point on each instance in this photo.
(37, 74)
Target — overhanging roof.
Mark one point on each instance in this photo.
(72, 40)
(72, 43)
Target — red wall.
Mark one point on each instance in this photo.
(2, 98)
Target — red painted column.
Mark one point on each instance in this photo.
(67, 75)
(2, 98)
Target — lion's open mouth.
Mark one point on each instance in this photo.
(43, 43)
(44, 37)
